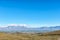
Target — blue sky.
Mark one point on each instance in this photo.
(35, 13)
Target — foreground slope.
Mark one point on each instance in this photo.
(27, 36)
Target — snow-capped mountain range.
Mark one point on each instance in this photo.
(25, 29)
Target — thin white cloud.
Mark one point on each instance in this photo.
(6, 25)
(30, 25)
(17, 25)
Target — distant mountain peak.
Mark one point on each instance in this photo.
(18, 28)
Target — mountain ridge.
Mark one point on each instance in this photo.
(25, 29)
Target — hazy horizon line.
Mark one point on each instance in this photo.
(29, 25)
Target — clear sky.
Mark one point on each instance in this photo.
(35, 13)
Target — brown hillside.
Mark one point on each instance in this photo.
(54, 32)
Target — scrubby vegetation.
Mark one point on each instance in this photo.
(27, 36)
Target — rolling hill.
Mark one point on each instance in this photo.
(53, 33)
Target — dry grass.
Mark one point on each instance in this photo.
(24, 36)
